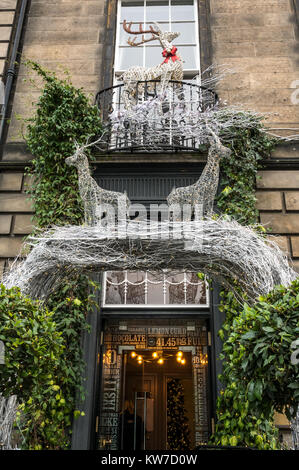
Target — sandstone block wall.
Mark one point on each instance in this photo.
(258, 40)
(278, 202)
(60, 35)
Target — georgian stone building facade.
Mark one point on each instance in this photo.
(256, 38)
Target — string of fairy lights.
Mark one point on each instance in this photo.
(160, 357)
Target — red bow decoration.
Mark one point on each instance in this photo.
(169, 55)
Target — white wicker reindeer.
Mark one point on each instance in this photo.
(97, 201)
(200, 195)
(170, 69)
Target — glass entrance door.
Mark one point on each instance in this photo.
(158, 401)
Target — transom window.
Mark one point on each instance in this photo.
(171, 15)
(145, 289)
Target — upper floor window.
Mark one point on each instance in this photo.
(145, 289)
(171, 15)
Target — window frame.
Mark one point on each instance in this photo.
(149, 306)
(190, 73)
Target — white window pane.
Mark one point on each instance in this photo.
(175, 292)
(132, 11)
(154, 289)
(155, 295)
(197, 295)
(182, 10)
(196, 290)
(189, 56)
(164, 25)
(135, 288)
(123, 36)
(157, 10)
(129, 56)
(187, 33)
(115, 288)
(136, 277)
(153, 56)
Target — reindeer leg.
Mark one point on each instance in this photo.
(208, 208)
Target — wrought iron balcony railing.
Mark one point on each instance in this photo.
(155, 121)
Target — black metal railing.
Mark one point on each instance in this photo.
(129, 128)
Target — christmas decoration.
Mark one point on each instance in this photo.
(178, 433)
(170, 69)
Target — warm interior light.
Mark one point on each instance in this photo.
(179, 358)
(133, 354)
(155, 354)
(204, 359)
(139, 358)
(179, 354)
(161, 360)
(183, 361)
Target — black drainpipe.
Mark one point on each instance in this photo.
(11, 71)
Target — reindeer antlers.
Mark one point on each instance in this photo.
(152, 31)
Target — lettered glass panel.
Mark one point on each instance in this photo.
(171, 15)
(139, 288)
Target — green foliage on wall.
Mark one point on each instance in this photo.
(238, 421)
(35, 369)
(239, 172)
(252, 376)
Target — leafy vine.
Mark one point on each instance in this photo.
(245, 408)
(63, 116)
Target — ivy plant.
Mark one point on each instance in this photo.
(239, 420)
(63, 115)
(264, 334)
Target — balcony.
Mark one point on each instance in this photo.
(153, 121)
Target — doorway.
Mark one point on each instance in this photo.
(158, 401)
(155, 391)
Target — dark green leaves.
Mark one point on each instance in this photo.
(44, 348)
(63, 116)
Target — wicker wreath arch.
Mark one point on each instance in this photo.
(222, 249)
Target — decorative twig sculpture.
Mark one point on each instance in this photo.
(295, 430)
(170, 69)
(200, 195)
(96, 200)
(222, 249)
